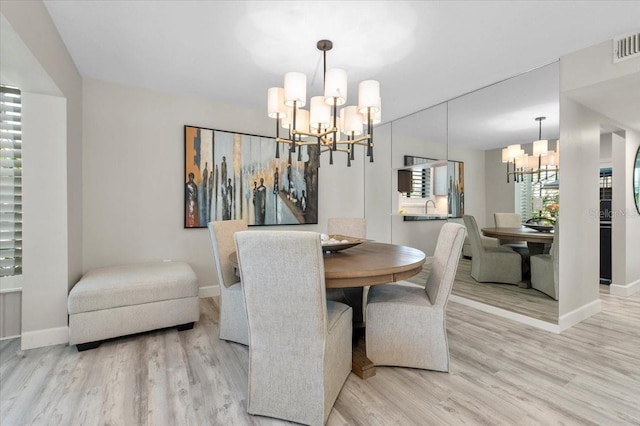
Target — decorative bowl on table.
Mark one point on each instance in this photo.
(334, 243)
(540, 225)
(539, 228)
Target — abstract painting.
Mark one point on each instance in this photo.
(230, 176)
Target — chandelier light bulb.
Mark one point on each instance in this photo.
(320, 113)
(540, 147)
(335, 86)
(302, 120)
(369, 96)
(275, 103)
(352, 121)
(295, 89)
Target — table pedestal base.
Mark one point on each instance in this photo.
(361, 366)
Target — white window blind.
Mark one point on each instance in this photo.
(420, 184)
(10, 181)
(524, 197)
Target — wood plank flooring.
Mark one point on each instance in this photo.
(525, 301)
(502, 373)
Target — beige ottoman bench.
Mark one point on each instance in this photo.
(120, 300)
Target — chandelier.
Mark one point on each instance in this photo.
(323, 125)
(542, 159)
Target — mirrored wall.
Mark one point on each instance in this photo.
(472, 130)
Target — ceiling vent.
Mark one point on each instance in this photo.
(626, 47)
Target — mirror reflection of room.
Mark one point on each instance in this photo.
(478, 128)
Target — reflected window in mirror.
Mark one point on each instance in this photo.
(538, 200)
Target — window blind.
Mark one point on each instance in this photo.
(10, 181)
(420, 184)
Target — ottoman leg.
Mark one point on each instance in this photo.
(187, 326)
(87, 346)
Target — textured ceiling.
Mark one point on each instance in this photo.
(421, 52)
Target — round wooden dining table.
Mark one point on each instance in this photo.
(366, 264)
(536, 240)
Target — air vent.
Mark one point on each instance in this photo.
(626, 47)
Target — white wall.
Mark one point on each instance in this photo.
(44, 206)
(579, 198)
(377, 187)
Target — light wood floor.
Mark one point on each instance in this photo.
(524, 301)
(502, 373)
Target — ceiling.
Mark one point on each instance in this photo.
(422, 52)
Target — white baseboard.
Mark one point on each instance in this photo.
(9, 337)
(625, 290)
(209, 291)
(46, 337)
(547, 326)
(580, 314)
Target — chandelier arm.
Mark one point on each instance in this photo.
(520, 172)
(315, 135)
(360, 140)
(277, 135)
(293, 128)
(370, 131)
(282, 140)
(335, 123)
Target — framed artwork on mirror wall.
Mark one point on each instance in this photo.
(230, 175)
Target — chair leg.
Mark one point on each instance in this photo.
(187, 326)
(88, 346)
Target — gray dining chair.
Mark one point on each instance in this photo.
(514, 220)
(511, 220)
(299, 343)
(406, 325)
(545, 268)
(233, 317)
(348, 226)
(492, 264)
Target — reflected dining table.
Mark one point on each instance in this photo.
(536, 240)
(369, 263)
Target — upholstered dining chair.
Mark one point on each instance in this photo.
(233, 317)
(545, 269)
(356, 297)
(299, 343)
(348, 226)
(406, 325)
(492, 264)
(511, 220)
(514, 220)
